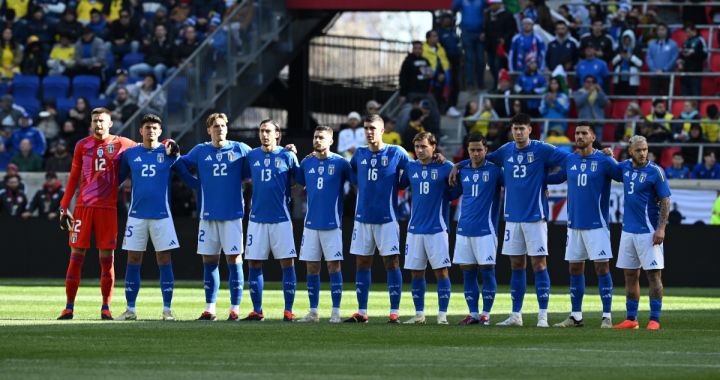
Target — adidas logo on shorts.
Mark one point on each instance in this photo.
(602, 253)
(654, 263)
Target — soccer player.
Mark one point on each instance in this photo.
(525, 163)
(376, 168)
(270, 229)
(646, 210)
(149, 214)
(427, 235)
(323, 176)
(588, 173)
(476, 241)
(220, 166)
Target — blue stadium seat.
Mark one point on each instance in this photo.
(64, 105)
(98, 102)
(86, 86)
(177, 91)
(132, 58)
(26, 86)
(31, 104)
(55, 87)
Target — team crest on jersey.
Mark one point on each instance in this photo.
(531, 157)
(520, 158)
(373, 162)
(634, 175)
(476, 176)
(73, 237)
(434, 174)
(486, 176)
(231, 156)
(593, 166)
(424, 174)
(100, 152)
(583, 166)
(161, 158)
(266, 162)
(321, 170)
(111, 149)
(384, 160)
(331, 169)
(278, 162)
(219, 156)
(642, 177)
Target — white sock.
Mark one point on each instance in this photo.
(166, 309)
(542, 313)
(210, 307)
(475, 315)
(517, 314)
(336, 311)
(419, 313)
(442, 314)
(235, 308)
(485, 313)
(607, 315)
(395, 311)
(314, 310)
(362, 312)
(131, 309)
(577, 315)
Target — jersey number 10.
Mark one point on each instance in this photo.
(582, 179)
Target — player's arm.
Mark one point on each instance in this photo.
(452, 177)
(124, 170)
(614, 169)
(662, 189)
(404, 180)
(300, 173)
(558, 177)
(555, 156)
(293, 167)
(66, 218)
(183, 172)
(353, 169)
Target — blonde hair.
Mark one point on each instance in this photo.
(218, 115)
(637, 139)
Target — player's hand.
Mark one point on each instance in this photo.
(607, 152)
(291, 147)
(171, 147)
(52, 215)
(452, 178)
(66, 220)
(311, 154)
(439, 158)
(659, 236)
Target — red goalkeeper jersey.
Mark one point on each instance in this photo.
(96, 166)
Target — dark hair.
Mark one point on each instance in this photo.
(712, 110)
(677, 154)
(150, 118)
(416, 42)
(275, 124)
(155, 81)
(99, 110)
(425, 135)
(429, 32)
(93, 11)
(708, 153)
(50, 174)
(373, 118)
(474, 137)
(657, 101)
(691, 26)
(520, 119)
(560, 22)
(586, 124)
(415, 114)
(323, 128)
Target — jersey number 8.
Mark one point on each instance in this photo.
(320, 183)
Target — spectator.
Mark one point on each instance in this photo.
(26, 131)
(12, 199)
(695, 136)
(590, 65)
(80, 115)
(9, 114)
(390, 136)
(435, 54)
(690, 115)
(415, 126)
(372, 107)
(53, 10)
(651, 156)
(147, 94)
(500, 27)
(124, 35)
(555, 105)
(61, 160)
(451, 42)
(36, 25)
(580, 15)
(654, 132)
(661, 57)
(471, 28)
(158, 55)
(711, 124)
(123, 107)
(12, 170)
(25, 159)
(33, 62)
(48, 125)
(539, 12)
(524, 44)
(430, 124)
(69, 26)
(183, 199)
(204, 10)
(633, 115)
(517, 107)
(19, 8)
(478, 120)
(98, 24)
(11, 55)
(185, 49)
(496, 137)
(563, 49)
(660, 113)
(415, 74)
(531, 82)
(677, 170)
(62, 56)
(121, 80)
(590, 101)
(89, 54)
(708, 169)
(692, 60)
(598, 39)
(627, 64)
(46, 200)
(503, 105)
(351, 137)
(85, 8)
(556, 136)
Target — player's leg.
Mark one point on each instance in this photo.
(437, 248)
(282, 246)
(418, 285)
(363, 247)
(72, 281)
(209, 248)
(257, 250)
(107, 281)
(515, 248)
(652, 261)
(387, 237)
(106, 232)
(485, 250)
(629, 261)
(465, 257)
(231, 239)
(336, 288)
(289, 280)
(167, 282)
(132, 284)
(310, 253)
(444, 290)
(656, 295)
(605, 288)
(416, 262)
(575, 255)
(536, 242)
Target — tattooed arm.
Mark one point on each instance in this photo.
(659, 235)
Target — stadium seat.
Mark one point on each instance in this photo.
(609, 132)
(26, 86)
(679, 36)
(177, 91)
(132, 58)
(31, 104)
(705, 104)
(618, 108)
(646, 107)
(665, 158)
(98, 102)
(55, 87)
(677, 106)
(64, 105)
(86, 86)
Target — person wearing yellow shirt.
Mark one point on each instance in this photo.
(659, 112)
(85, 7)
(715, 218)
(711, 124)
(434, 52)
(112, 9)
(11, 55)
(556, 136)
(390, 136)
(476, 120)
(62, 56)
(19, 6)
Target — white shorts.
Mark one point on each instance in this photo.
(475, 250)
(265, 237)
(318, 243)
(525, 239)
(591, 244)
(214, 235)
(638, 250)
(161, 231)
(366, 237)
(421, 248)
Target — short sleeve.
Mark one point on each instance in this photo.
(662, 188)
(403, 158)
(555, 156)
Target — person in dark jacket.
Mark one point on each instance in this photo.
(12, 199)
(69, 26)
(692, 60)
(33, 62)
(124, 35)
(415, 74)
(498, 32)
(61, 160)
(46, 201)
(563, 50)
(450, 41)
(599, 39)
(158, 55)
(471, 27)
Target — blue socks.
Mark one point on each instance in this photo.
(336, 288)
(394, 282)
(289, 285)
(488, 290)
(471, 289)
(577, 292)
(444, 289)
(632, 309)
(212, 282)
(418, 286)
(655, 309)
(605, 287)
(362, 284)
(313, 289)
(542, 288)
(167, 284)
(235, 283)
(256, 281)
(518, 285)
(132, 284)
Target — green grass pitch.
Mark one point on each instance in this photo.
(34, 345)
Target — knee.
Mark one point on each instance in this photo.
(333, 266)
(392, 263)
(134, 258)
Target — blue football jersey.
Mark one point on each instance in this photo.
(682, 173)
(524, 176)
(588, 188)
(324, 181)
(644, 187)
(377, 175)
(221, 173)
(480, 203)
(430, 212)
(272, 173)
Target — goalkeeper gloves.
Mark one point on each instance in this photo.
(66, 220)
